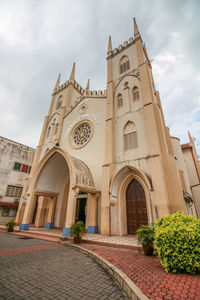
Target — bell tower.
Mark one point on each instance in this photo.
(136, 133)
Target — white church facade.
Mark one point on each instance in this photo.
(107, 157)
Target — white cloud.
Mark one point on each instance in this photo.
(39, 39)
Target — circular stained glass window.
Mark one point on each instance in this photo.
(81, 134)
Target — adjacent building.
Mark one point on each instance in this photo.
(107, 157)
(15, 163)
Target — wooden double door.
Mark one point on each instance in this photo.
(135, 206)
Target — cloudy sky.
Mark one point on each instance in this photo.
(41, 38)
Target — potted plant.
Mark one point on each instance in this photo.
(145, 235)
(77, 229)
(10, 225)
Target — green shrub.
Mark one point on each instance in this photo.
(10, 225)
(177, 239)
(77, 229)
(145, 234)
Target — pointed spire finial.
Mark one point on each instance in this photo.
(57, 82)
(109, 44)
(72, 76)
(190, 137)
(88, 85)
(136, 30)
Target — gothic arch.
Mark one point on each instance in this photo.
(120, 182)
(46, 159)
(124, 64)
(122, 78)
(73, 175)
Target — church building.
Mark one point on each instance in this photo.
(107, 157)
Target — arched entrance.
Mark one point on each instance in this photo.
(51, 192)
(135, 206)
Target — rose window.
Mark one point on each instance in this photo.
(81, 134)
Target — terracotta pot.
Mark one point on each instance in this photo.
(77, 240)
(148, 249)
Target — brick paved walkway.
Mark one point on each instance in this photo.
(148, 274)
(58, 272)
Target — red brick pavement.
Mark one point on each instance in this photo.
(148, 274)
(30, 249)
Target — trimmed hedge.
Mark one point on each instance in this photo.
(177, 239)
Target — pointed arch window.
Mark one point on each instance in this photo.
(136, 94)
(126, 85)
(130, 136)
(56, 129)
(124, 64)
(119, 101)
(59, 103)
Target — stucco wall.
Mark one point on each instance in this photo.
(93, 152)
(192, 173)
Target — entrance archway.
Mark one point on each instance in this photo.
(135, 206)
(52, 188)
(118, 190)
(56, 183)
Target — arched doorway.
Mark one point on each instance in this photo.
(51, 191)
(135, 206)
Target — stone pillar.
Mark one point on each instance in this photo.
(71, 210)
(28, 214)
(92, 213)
(41, 211)
(107, 169)
(52, 204)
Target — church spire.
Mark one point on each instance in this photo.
(88, 85)
(190, 137)
(72, 76)
(57, 82)
(136, 30)
(109, 44)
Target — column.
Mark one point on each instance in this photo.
(92, 213)
(52, 204)
(28, 213)
(41, 211)
(71, 211)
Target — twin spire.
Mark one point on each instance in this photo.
(136, 30)
(72, 77)
(136, 34)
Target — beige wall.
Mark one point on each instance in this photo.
(193, 178)
(180, 161)
(93, 152)
(183, 172)
(132, 55)
(192, 173)
(196, 195)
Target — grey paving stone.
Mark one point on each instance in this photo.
(55, 273)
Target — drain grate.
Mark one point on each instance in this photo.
(25, 238)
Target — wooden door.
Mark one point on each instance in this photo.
(135, 206)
